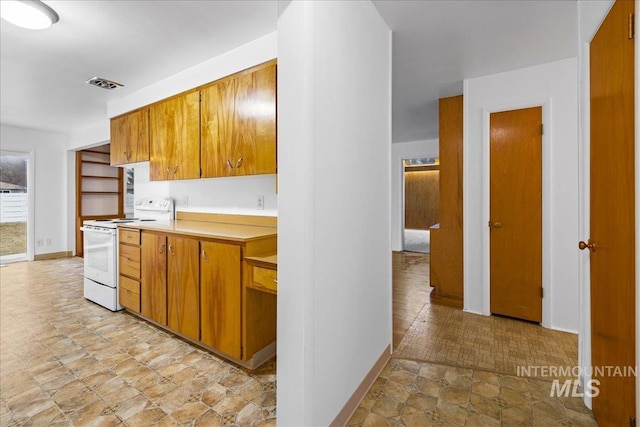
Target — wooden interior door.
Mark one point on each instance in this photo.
(612, 221)
(183, 286)
(516, 213)
(221, 295)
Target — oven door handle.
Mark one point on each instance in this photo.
(95, 230)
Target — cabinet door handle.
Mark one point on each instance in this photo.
(168, 169)
(126, 156)
(161, 249)
(204, 256)
(229, 164)
(175, 169)
(239, 162)
(171, 250)
(130, 155)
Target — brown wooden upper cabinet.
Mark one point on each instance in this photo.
(174, 132)
(238, 130)
(130, 137)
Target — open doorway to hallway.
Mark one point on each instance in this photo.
(421, 194)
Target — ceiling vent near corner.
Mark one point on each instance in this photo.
(104, 83)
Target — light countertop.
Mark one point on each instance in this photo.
(213, 230)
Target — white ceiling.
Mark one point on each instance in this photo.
(436, 44)
(43, 73)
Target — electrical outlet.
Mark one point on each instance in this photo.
(260, 202)
(39, 242)
(48, 242)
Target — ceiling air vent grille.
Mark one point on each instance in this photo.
(104, 83)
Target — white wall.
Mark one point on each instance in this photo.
(555, 87)
(334, 237)
(50, 187)
(401, 151)
(223, 195)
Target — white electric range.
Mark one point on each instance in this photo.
(101, 249)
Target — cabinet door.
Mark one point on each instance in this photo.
(220, 288)
(130, 137)
(183, 286)
(239, 124)
(175, 138)
(153, 284)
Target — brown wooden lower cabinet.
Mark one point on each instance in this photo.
(183, 286)
(153, 285)
(129, 269)
(195, 288)
(220, 274)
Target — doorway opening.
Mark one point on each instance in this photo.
(421, 194)
(15, 227)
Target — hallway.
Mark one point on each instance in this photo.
(460, 369)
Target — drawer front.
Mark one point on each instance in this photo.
(129, 267)
(129, 284)
(130, 299)
(265, 278)
(131, 237)
(130, 252)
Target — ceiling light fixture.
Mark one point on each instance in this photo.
(31, 14)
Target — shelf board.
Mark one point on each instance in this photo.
(96, 151)
(100, 177)
(101, 192)
(420, 168)
(95, 162)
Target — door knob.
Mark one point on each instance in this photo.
(590, 245)
(495, 224)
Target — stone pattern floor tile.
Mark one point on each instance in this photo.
(418, 394)
(66, 361)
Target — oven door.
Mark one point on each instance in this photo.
(100, 255)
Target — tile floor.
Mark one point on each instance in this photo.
(66, 361)
(453, 337)
(417, 394)
(411, 290)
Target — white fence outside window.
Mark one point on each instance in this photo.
(13, 207)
